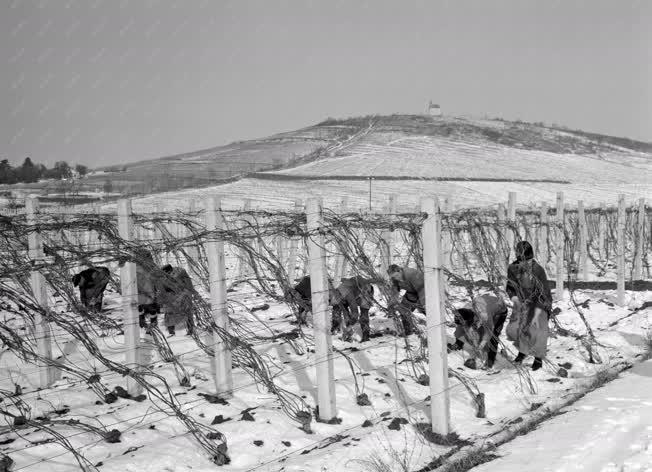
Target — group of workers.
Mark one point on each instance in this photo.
(167, 288)
(479, 323)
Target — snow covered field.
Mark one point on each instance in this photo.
(425, 156)
(609, 430)
(261, 437)
(266, 194)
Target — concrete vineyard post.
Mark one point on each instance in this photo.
(41, 328)
(387, 242)
(217, 282)
(320, 313)
(620, 252)
(243, 270)
(640, 239)
(436, 318)
(511, 224)
(129, 288)
(294, 245)
(559, 248)
(584, 241)
(340, 260)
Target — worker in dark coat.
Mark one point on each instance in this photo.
(527, 286)
(352, 300)
(175, 294)
(412, 281)
(301, 295)
(147, 274)
(92, 282)
(146, 277)
(479, 324)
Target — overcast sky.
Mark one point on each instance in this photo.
(110, 81)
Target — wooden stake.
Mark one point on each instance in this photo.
(217, 283)
(129, 289)
(436, 319)
(321, 313)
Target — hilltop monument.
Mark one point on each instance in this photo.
(433, 109)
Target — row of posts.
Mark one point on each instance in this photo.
(436, 246)
(583, 258)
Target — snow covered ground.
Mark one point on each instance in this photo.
(427, 156)
(270, 194)
(609, 430)
(388, 429)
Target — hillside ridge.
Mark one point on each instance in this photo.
(399, 145)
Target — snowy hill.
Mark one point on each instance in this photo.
(471, 162)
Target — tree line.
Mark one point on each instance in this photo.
(29, 172)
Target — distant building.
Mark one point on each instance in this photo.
(433, 109)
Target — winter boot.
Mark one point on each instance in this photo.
(459, 344)
(347, 332)
(537, 364)
(518, 359)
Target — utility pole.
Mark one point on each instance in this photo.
(370, 179)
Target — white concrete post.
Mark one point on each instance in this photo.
(280, 250)
(340, 260)
(602, 233)
(640, 238)
(217, 282)
(436, 318)
(129, 288)
(41, 328)
(321, 313)
(501, 241)
(446, 236)
(192, 249)
(559, 247)
(242, 264)
(511, 222)
(620, 252)
(387, 240)
(294, 245)
(543, 233)
(584, 241)
(159, 234)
